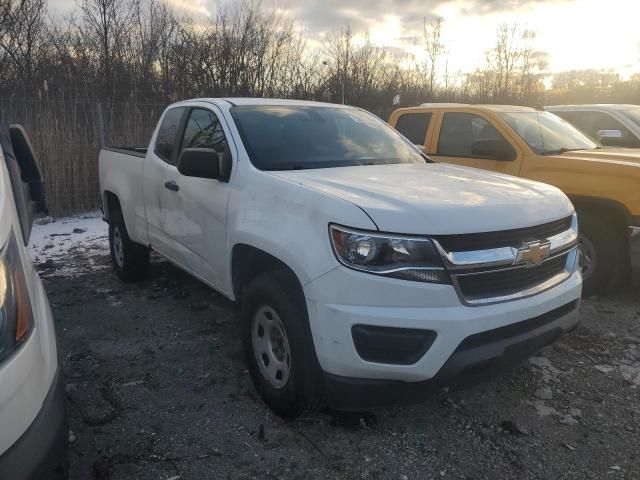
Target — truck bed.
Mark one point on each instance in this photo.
(122, 166)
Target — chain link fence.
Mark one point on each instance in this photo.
(67, 135)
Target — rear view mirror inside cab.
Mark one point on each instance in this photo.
(611, 138)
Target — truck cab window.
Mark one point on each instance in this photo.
(414, 126)
(203, 130)
(460, 131)
(167, 135)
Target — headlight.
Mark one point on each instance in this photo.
(407, 258)
(16, 315)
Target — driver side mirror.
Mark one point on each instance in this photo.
(610, 138)
(492, 149)
(29, 167)
(205, 163)
(26, 179)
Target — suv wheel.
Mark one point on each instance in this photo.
(603, 254)
(130, 259)
(278, 345)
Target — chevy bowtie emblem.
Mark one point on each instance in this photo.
(533, 253)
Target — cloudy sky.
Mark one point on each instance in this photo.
(576, 33)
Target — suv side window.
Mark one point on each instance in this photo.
(203, 130)
(459, 132)
(167, 135)
(414, 126)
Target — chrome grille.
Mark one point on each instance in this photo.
(508, 281)
(500, 272)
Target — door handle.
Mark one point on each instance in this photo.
(171, 186)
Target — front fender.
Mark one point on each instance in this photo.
(290, 222)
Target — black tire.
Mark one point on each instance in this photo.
(281, 292)
(604, 244)
(130, 259)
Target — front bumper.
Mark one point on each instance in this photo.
(41, 452)
(476, 358)
(344, 298)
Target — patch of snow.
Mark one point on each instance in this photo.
(70, 244)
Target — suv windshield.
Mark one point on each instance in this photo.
(633, 114)
(300, 137)
(547, 134)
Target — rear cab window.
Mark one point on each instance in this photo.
(165, 147)
(414, 126)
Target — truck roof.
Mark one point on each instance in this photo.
(264, 101)
(610, 106)
(496, 108)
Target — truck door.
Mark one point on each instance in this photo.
(159, 174)
(195, 210)
(470, 139)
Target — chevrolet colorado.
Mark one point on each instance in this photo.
(602, 183)
(366, 273)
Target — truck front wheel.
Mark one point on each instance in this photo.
(603, 253)
(130, 259)
(278, 345)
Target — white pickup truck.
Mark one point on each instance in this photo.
(366, 273)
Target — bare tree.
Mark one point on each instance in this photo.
(22, 37)
(106, 26)
(435, 49)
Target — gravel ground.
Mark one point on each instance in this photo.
(158, 389)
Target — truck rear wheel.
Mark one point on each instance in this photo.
(130, 259)
(603, 253)
(278, 345)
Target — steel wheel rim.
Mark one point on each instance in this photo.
(587, 257)
(118, 249)
(271, 346)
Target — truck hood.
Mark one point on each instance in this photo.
(437, 198)
(622, 156)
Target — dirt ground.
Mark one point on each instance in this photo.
(158, 389)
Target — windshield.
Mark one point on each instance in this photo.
(633, 114)
(301, 137)
(547, 134)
